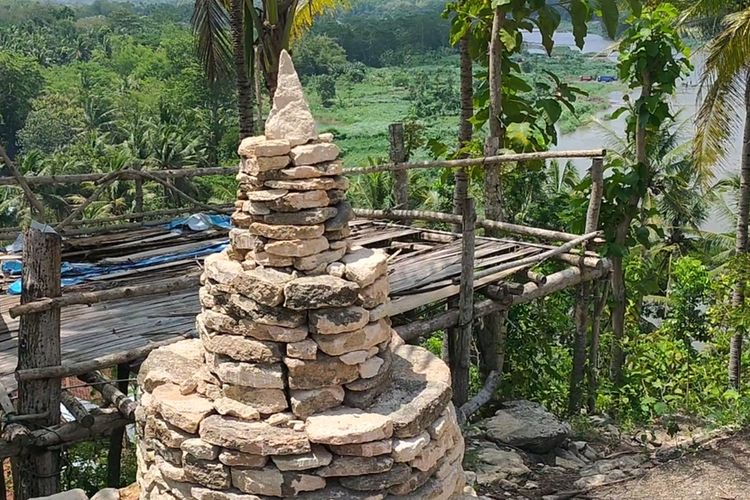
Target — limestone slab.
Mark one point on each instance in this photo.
(272, 482)
(338, 320)
(260, 146)
(266, 401)
(365, 265)
(311, 154)
(320, 372)
(184, 412)
(308, 402)
(315, 292)
(262, 285)
(300, 200)
(255, 438)
(318, 456)
(309, 217)
(287, 232)
(355, 466)
(368, 449)
(347, 425)
(297, 247)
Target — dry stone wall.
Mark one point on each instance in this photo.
(298, 386)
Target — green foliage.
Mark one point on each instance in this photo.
(21, 81)
(85, 466)
(433, 94)
(327, 89)
(318, 55)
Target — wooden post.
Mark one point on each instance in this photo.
(114, 456)
(138, 206)
(459, 344)
(581, 313)
(38, 474)
(398, 155)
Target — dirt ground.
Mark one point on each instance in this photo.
(722, 471)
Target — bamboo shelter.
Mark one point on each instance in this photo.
(438, 280)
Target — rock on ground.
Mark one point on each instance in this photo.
(526, 425)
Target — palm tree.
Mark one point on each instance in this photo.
(269, 25)
(725, 88)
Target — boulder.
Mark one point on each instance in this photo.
(493, 464)
(77, 494)
(526, 425)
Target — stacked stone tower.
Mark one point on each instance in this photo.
(298, 386)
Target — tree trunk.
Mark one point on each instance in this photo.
(38, 474)
(114, 454)
(601, 292)
(465, 132)
(492, 179)
(244, 88)
(741, 245)
(584, 295)
(493, 324)
(621, 235)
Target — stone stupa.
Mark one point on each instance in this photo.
(298, 386)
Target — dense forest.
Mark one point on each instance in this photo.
(94, 86)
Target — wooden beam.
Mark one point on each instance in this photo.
(459, 345)
(75, 369)
(485, 161)
(76, 408)
(399, 215)
(88, 298)
(110, 393)
(47, 180)
(103, 183)
(39, 346)
(12, 432)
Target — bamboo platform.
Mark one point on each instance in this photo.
(425, 266)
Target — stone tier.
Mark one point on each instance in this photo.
(197, 443)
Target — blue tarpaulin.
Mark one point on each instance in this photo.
(80, 272)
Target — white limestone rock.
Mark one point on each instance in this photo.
(290, 117)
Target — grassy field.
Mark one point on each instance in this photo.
(362, 111)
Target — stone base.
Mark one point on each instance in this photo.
(394, 438)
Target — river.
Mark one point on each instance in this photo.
(685, 102)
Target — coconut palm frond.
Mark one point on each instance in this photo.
(210, 23)
(307, 10)
(722, 88)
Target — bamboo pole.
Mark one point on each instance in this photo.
(76, 408)
(460, 344)
(110, 393)
(545, 234)
(88, 298)
(485, 161)
(39, 346)
(166, 182)
(555, 283)
(46, 180)
(21, 181)
(103, 183)
(75, 369)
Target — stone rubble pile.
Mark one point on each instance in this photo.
(298, 386)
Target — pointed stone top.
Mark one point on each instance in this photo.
(290, 117)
